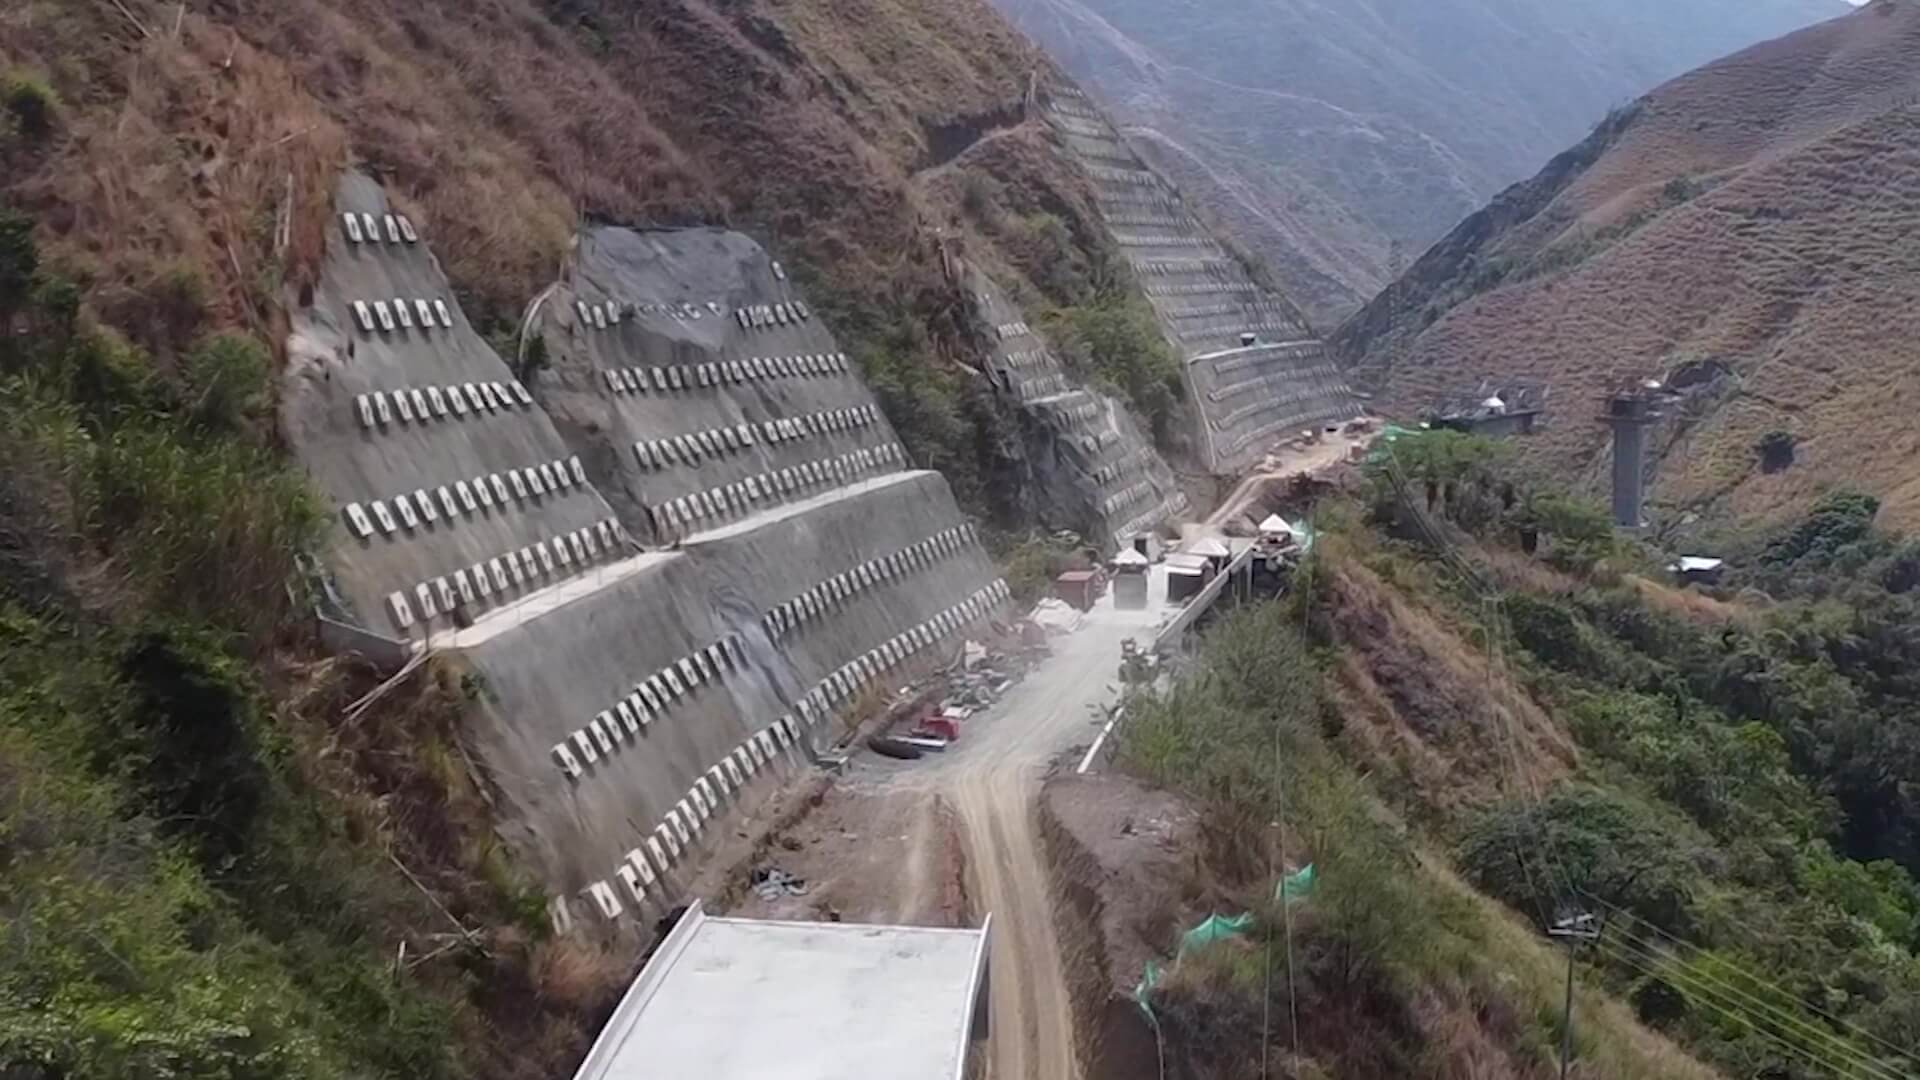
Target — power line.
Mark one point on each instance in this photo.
(1639, 957)
(1762, 1017)
(1780, 1014)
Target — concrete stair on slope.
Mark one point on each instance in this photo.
(1206, 301)
(1105, 465)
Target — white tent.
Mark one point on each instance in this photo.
(1129, 557)
(1275, 525)
(1210, 547)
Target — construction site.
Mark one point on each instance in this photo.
(752, 539)
(736, 649)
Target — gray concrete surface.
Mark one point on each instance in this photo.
(1095, 470)
(559, 651)
(1248, 398)
(672, 278)
(331, 360)
(548, 677)
(741, 999)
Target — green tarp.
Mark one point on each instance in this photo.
(1295, 886)
(1291, 887)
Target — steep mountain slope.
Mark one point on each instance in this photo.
(1748, 228)
(1340, 140)
(193, 147)
(224, 865)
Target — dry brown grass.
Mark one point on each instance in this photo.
(576, 975)
(1693, 606)
(1426, 703)
(1793, 265)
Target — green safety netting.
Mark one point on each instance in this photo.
(1387, 435)
(1295, 886)
(1291, 887)
(1211, 929)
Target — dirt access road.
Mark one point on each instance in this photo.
(991, 779)
(1284, 464)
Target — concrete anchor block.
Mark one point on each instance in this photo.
(583, 746)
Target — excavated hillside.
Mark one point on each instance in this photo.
(188, 151)
(1745, 233)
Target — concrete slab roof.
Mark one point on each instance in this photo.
(745, 999)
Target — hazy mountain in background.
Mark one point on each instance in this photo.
(1748, 233)
(1340, 139)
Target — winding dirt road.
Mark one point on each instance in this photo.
(992, 781)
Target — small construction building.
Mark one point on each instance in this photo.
(1212, 549)
(1496, 411)
(1081, 588)
(1130, 575)
(1187, 574)
(1697, 569)
(747, 999)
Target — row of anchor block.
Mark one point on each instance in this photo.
(1123, 467)
(714, 442)
(1330, 406)
(659, 693)
(728, 501)
(1201, 288)
(409, 511)
(645, 867)
(1080, 412)
(498, 579)
(644, 870)
(1266, 353)
(422, 404)
(1169, 267)
(1288, 384)
(1126, 497)
(1026, 358)
(641, 380)
(1162, 240)
(614, 729)
(859, 673)
(786, 618)
(367, 229)
(1012, 330)
(400, 313)
(603, 315)
(1043, 386)
(1161, 511)
(1305, 390)
(1131, 177)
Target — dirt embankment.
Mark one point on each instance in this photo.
(1119, 857)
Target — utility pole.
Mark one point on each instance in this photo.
(1575, 931)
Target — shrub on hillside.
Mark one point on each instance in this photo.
(30, 103)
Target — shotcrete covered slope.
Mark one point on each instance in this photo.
(1248, 397)
(335, 367)
(629, 698)
(1086, 452)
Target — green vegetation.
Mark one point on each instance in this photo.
(1396, 970)
(1114, 340)
(30, 105)
(188, 887)
(1744, 784)
(1089, 306)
